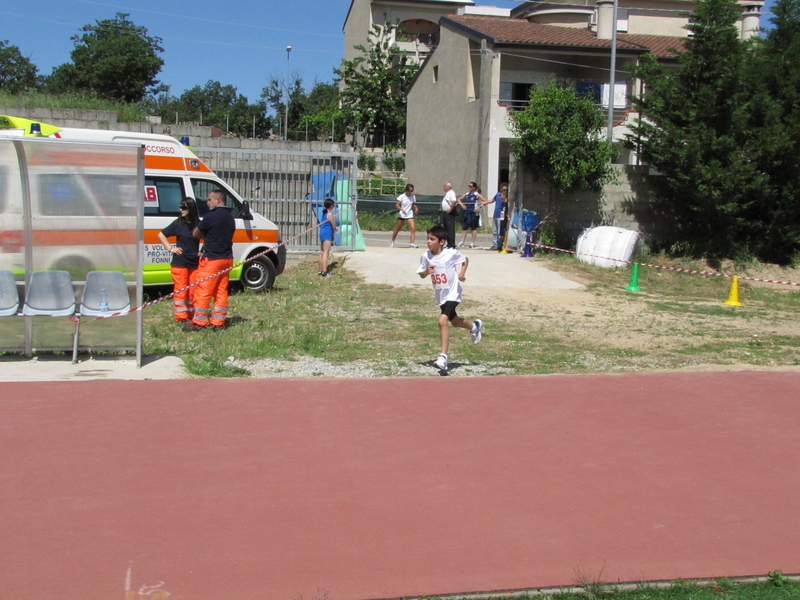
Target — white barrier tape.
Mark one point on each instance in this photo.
(196, 283)
(675, 269)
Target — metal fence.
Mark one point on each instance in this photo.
(289, 188)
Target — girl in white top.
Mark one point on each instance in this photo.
(440, 264)
(407, 205)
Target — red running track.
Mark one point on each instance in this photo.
(376, 488)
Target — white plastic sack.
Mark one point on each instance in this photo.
(607, 246)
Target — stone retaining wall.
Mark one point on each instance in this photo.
(199, 135)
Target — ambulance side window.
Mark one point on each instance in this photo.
(202, 187)
(61, 194)
(162, 196)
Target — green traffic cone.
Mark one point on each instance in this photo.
(633, 286)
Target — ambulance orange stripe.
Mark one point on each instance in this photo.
(168, 163)
(241, 236)
(87, 237)
(201, 168)
(174, 163)
(84, 159)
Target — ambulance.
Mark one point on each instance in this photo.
(172, 171)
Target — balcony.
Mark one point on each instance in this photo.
(512, 106)
(417, 46)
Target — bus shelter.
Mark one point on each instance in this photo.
(69, 210)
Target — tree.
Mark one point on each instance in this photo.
(321, 112)
(772, 73)
(694, 132)
(114, 59)
(17, 73)
(373, 97)
(558, 137)
(274, 95)
(218, 105)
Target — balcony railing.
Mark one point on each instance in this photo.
(513, 106)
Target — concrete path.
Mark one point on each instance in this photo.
(382, 488)
(61, 368)
(498, 272)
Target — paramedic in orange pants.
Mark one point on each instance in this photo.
(184, 253)
(216, 230)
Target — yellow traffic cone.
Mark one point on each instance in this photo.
(733, 297)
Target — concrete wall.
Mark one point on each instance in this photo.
(444, 128)
(200, 136)
(625, 204)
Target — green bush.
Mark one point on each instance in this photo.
(394, 163)
(386, 221)
(367, 162)
(551, 233)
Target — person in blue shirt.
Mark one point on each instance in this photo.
(500, 210)
(471, 202)
(326, 230)
(216, 231)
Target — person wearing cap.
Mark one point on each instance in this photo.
(216, 231)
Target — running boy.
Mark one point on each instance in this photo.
(440, 263)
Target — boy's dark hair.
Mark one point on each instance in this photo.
(438, 232)
(328, 203)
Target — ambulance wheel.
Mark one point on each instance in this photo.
(258, 275)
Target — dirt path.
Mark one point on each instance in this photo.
(540, 299)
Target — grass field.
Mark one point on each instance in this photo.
(775, 586)
(677, 321)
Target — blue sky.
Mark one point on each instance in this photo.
(238, 42)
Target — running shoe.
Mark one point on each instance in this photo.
(391, 244)
(477, 325)
(413, 246)
(472, 246)
(441, 362)
(460, 244)
(327, 274)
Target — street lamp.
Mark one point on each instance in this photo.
(286, 111)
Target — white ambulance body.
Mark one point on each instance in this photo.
(172, 172)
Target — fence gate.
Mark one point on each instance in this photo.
(289, 188)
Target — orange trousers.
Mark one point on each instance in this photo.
(183, 301)
(216, 288)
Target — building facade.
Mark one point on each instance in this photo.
(484, 65)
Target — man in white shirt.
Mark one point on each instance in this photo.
(449, 204)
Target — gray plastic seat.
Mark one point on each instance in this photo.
(116, 292)
(50, 294)
(9, 297)
(110, 285)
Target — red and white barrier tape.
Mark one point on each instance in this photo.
(196, 283)
(663, 268)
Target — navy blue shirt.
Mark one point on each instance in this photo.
(186, 241)
(217, 228)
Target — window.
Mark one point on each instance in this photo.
(61, 194)
(114, 194)
(201, 188)
(162, 195)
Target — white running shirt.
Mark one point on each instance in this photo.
(406, 206)
(446, 286)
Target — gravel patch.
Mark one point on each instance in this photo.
(318, 367)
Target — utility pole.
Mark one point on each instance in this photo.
(286, 116)
(613, 73)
